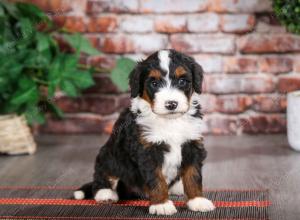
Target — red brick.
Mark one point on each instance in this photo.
(269, 103)
(83, 123)
(289, 83)
(263, 27)
(233, 104)
(221, 84)
(208, 103)
(149, 43)
(269, 43)
(191, 43)
(226, 84)
(258, 84)
(263, 123)
(133, 43)
(220, 124)
(137, 24)
(96, 7)
(78, 7)
(103, 85)
(124, 101)
(94, 40)
(93, 104)
(116, 44)
(170, 24)
(275, 64)
(71, 23)
(103, 61)
(204, 22)
(297, 64)
(268, 23)
(102, 24)
(237, 6)
(240, 64)
(240, 23)
(172, 6)
(53, 6)
(210, 63)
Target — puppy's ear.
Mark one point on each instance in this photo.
(135, 81)
(197, 77)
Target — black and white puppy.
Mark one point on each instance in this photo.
(156, 146)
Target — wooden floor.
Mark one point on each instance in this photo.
(245, 162)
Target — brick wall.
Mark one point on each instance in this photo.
(250, 61)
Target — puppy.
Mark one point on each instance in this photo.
(156, 147)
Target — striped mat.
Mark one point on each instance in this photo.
(38, 202)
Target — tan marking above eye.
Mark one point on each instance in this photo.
(180, 71)
(155, 74)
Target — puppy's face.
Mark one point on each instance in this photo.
(166, 80)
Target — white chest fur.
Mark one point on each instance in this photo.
(173, 132)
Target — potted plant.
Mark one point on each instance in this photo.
(33, 67)
(288, 13)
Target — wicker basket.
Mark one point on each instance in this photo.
(15, 136)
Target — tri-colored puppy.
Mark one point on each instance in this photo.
(156, 146)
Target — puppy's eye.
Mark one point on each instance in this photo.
(154, 84)
(182, 82)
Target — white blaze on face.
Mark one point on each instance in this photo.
(164, 60)
(168, 93)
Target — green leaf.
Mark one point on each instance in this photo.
(42, 42)
(120, 73)
(80, 44)
(32, 11)
(55, 70)
(1, 12)
(82, 79)
(25, 83)
(26, 28)
(28, 95)
(51, 89)
(15, 70)
(11, 9)
(70, 62)
(69, 88)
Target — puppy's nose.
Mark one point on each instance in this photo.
(171, 105)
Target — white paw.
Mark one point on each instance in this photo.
(177, 189)
(106, 195)
(79, 195)
(200, 204)
(166, 208)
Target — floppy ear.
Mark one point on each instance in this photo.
(135, 81)
(197, 77)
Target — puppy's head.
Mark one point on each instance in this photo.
(166, 81)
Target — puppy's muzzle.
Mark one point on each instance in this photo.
(171, 105)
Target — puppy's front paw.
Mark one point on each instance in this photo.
(200, 204)
(106, 195)
(166, 208)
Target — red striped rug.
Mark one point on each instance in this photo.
(42, 202)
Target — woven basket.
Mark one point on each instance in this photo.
(15, 136)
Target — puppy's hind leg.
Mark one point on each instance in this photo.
(84, 192)
(104, 188)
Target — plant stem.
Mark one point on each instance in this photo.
(40, 81)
